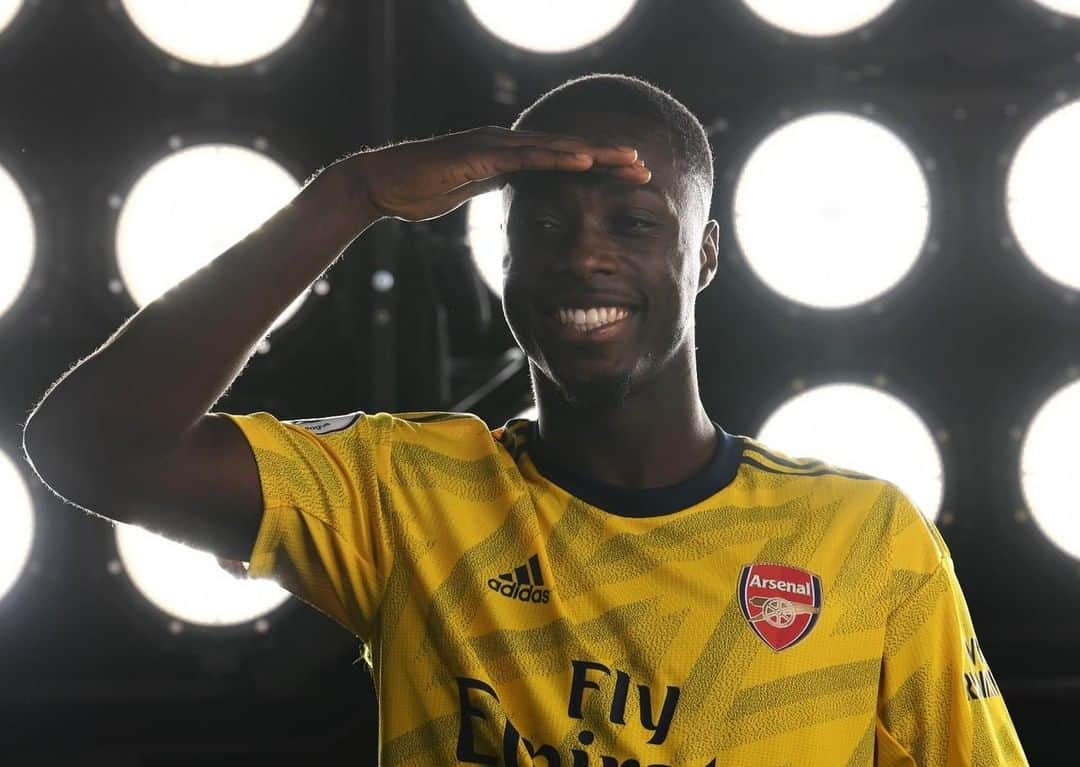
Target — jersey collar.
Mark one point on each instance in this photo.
(644, 502)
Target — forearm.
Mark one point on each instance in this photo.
(168, 364)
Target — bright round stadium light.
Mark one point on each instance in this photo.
(552, 26)
(486, 236)
(218, 33)
(188, 208)
(16, 240)
(1041, 192)
(832, 210)
(190, 585)
(16, 524)
(818, 19)
(1065, 7)
(9, 9)
(864, 429)
(1046, 469)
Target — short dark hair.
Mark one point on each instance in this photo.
(636, 97)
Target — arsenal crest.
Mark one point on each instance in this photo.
(780, 602)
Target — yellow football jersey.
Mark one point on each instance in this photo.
(767, 611)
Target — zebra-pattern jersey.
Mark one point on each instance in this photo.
(768, 611)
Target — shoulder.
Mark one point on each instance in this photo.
(445, 431)
(432, 421)
(860, 499)
(789, 476)
(460, 435)
(767, 459)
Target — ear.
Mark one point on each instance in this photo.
(710, 246)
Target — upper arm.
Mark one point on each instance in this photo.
(204, 492)
(938, 701)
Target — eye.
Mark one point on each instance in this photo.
(547, 223)
(635, 224)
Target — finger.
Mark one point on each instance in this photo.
(602, 153)
(496, 162)
(518, 137)
(636, 174)
(610, 155)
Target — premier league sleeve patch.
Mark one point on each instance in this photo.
(781, 603)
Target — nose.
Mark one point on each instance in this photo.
(587, 250)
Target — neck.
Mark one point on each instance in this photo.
(658, 436)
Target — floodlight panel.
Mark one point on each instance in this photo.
(191, 206)
(9, 9)
(832, 210)
(1041, 192)
(1066, 7)
(16, 524)
(17, 241)
(818, 19)
(190, 585)
(1047, 468)
(863, 429)
(218, 33)
(486, 236)
(552, 26)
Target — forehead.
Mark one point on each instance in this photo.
(650, 138)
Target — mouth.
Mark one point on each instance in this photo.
(595, 323)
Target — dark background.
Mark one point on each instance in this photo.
(975, 339)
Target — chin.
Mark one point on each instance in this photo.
(596, 392)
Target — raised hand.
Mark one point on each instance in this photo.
(420, 180)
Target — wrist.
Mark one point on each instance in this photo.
(353, 183)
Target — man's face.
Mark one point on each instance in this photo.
(602, 273)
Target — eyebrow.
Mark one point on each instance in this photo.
(650, 190)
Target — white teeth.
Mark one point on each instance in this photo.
(585, 320)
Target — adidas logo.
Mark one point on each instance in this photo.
(524, 584)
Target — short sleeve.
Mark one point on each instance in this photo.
(323, 536)
(938, 702)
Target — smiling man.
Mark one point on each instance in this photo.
(601, 280)
(620, 582)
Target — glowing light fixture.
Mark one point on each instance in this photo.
(9, 9)
(16, 524)
(16, 240)
(863, 429)
(1066, 7)
(218, 33)
(1041, 192)
(552, 26)
(818, 19)
(190, 207)
(1047, 468)
(486, 235)
(832, 210)
(189, 584)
